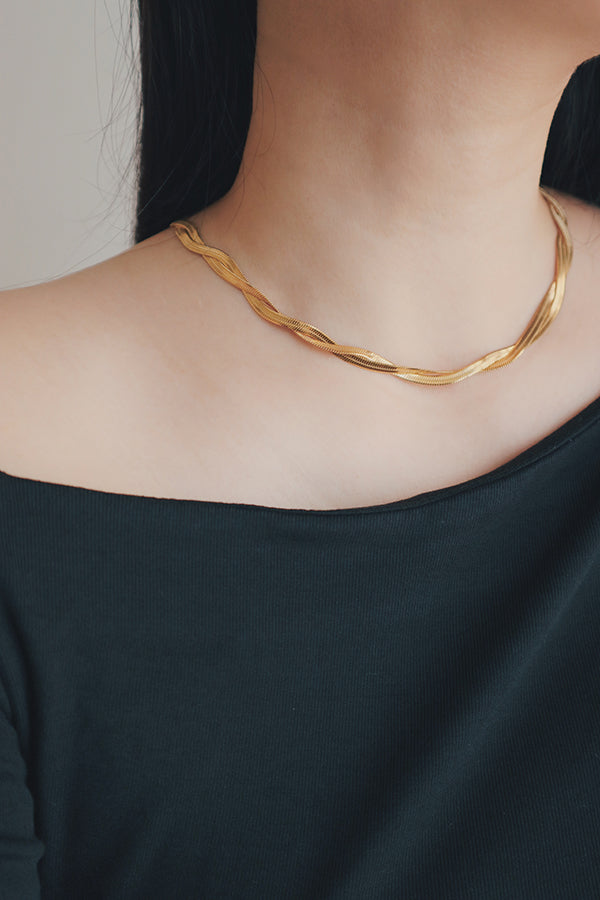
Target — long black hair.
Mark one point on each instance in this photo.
(196, 89)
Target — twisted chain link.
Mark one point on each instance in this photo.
(549, 307)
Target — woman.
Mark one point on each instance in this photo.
(274, 625)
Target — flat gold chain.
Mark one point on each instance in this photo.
(546, 312)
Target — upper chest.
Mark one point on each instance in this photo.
(199, 398)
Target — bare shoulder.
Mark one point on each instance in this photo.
(47, 327)
(82, 357)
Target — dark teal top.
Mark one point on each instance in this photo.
(225, 700)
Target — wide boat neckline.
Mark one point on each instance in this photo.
(565, 433)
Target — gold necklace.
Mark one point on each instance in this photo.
(545, 313)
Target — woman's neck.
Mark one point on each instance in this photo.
(388, 193)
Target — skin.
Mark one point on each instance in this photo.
(389, 187)
(388, 195)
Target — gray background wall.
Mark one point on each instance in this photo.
(68, 104)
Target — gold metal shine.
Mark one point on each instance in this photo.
(545, 313)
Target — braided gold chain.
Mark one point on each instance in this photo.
(549, 307)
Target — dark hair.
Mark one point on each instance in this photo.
(196, 67)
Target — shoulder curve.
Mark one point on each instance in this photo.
(85, 357)
(55, 340)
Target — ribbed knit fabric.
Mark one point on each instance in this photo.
(224, 700)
